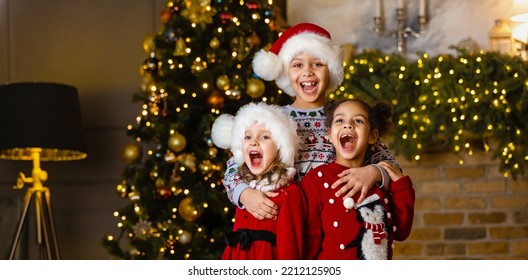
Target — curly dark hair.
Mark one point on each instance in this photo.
(379, 115)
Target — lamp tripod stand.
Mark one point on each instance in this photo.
(40, 122)
(45, 225)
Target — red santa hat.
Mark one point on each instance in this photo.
(301, 38)
(228, 131)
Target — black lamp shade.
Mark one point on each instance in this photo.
(41, 115)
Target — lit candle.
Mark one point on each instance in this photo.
(378, 8)
(400, 4)
(421, 8)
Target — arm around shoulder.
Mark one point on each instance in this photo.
(233, 185)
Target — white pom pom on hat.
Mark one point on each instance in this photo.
(301, 38)
(228, 132)
(221, 131)
(267, 65)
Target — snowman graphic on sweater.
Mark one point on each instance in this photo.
(371, 241)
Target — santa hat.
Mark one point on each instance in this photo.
(301, 38)
(228, 131)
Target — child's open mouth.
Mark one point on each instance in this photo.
(347, 141)
(308, 86)
(255, 158)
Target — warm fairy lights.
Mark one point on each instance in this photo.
(429, 109)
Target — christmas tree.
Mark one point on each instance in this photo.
(197, 67)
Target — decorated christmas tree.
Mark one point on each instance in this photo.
(197, 67)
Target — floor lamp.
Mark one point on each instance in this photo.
(40, 122)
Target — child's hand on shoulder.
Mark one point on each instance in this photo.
(258, 203)
(393, 171)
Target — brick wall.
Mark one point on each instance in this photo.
(468, 211)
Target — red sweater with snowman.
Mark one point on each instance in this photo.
(335, 229)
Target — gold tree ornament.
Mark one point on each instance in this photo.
(223, 82)
(180, 49)
(149, 43)
(188, 210)
(131, 153)
(255, 88)
(177, 142)
(214, 43)
(185, 237)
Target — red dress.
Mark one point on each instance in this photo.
(365, 231)
(286, 230)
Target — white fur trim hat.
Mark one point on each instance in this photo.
(301, 38)
(228, 132)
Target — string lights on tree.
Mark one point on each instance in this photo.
(196, 67)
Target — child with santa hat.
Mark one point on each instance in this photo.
(264, 142)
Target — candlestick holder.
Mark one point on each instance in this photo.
(402, 31)
(378, 24)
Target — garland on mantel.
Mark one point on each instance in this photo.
(448, 101)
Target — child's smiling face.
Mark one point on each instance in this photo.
(351, 133)
(309, 79)
(259, 148)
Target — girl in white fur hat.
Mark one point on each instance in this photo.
(264, 142)
(305, 63)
